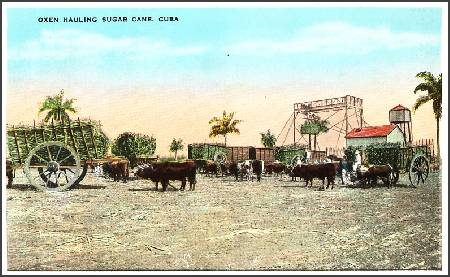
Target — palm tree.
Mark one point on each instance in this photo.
(57, 109)
(224, 125)
(268, 139)
(433, 86)
(175, 146)
(314, 126)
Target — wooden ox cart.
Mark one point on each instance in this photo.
(56, 156)
(411, 160)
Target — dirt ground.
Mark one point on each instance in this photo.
(224, 225)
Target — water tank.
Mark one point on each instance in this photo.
(399, 114)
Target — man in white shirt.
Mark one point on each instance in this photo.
(358, 160)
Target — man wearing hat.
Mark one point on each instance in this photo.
(358, 160)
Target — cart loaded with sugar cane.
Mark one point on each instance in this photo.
(56, 155)
(410, 160)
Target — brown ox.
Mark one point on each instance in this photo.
(168, 171)
(9, 173)
(211, 168)
(385, 172)
(117, 170)
(233, 169)
(200, 163)
(321, 171)
(145, 172)
(258, 169)
(277, 168)
(240, 168)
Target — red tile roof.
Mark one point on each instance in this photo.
(370, 132)
(399, 108)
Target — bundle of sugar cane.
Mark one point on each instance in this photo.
(84, 136)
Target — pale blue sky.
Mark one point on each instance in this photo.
(261, 43)
(170, 78)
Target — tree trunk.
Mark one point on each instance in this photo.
(437, 140)
(315, 142)
(175, 155)
(225, 136)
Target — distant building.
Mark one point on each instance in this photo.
(375, 134)
(401, 116)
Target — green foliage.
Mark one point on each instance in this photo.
(205, 151)
(131, 145)
(433, 86)
(377, 154)
(224, 125)
(383, 153)
(350, 152)
(180, 158)
(268, 139)
(314, 126)
(57, 108)
(175, 146)
(29, 137)
(285, 154)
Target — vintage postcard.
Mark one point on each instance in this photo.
(288, 137)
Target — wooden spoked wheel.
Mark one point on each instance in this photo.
(53, 166)
(418, 170)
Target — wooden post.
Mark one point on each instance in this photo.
(42, 134)
(43, 139)
(17, 144)
(295, 115)
(360, 116)
(35, 134)
(309, 141)
(409, 134)
(71, 136)
(26, 140)
(93, 140)
(63, 127)
(53, 130)
(315, 142)
(346, 118)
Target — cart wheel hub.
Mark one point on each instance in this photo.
(53, 166)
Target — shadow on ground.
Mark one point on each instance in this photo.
(23, 187)
(81, 186)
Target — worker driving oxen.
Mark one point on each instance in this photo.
(362, 173)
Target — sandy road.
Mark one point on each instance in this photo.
(224, 225)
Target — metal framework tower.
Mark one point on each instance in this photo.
(343, 113)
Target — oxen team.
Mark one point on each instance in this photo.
(164, 172)
(169, 171)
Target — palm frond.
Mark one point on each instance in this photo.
(49, 115)
(420, 101)
(426, 76)
(433, 87)
(424, 87)
(213, 120)
(224, 125)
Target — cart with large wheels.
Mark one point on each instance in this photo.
(413, 161)
(56, 156)
(419, 169)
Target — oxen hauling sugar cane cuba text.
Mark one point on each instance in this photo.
(86, 19)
